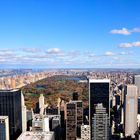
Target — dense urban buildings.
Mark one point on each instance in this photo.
(113, 111)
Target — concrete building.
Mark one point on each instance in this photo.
(100, 124)
(131, 109)
(40, 123)
(29, 135)
(99, 92)
(71, 121)
(85, 132)
(41, 101)
(12, 105)
(79, 104)
(4, 128)
(137, 83)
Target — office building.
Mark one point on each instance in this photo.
(56, 127)
(79, 104)
(99, 92)
(137, 83)
(71, 121)
(30, 135)
(85, 132)
(12, 105)
(100, 124)
(4, 128)
(131, 109)
(52, 111)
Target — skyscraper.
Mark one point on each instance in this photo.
(71, 121)
(99, 92)
(79, 104)
(137, 83)
(4, 128)
(131, 109)
(12, 105)
(100, 124)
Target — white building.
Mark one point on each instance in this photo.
(42, 122)
(137, 83)
(29, 135)
(4, 128)
(85, 132)
(41, 101)
(131, 109)
(24, 114)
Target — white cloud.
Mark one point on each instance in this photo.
(122, 31)
(53, 51)
(31, 50)
(109, 53)
(125, 31)
(135, 30)
(130, 45)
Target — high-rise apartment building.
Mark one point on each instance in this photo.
(131, 109)
(4, 128)
(100, 124)
(99, 92)
(12, 105)
(71, 121)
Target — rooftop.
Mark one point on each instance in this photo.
(99, 80)
(3, 117)
(29, 135)
(9, 90)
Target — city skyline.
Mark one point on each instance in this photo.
(69, 34)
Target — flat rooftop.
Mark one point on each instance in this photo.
(9, 90)
(3, 117)
(30, 135)
(99, 80)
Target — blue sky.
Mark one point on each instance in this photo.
(70, 34)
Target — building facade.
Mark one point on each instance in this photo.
(12, 105)
(79, 104)
(4, 128)
(137, 83)
(99, 92)
(71, 121)
(131, 110)
(100, 124)
(85, 132)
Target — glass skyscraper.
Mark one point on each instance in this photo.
(11, 106)
(99, 90)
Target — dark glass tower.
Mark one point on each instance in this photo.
(75, 96)
(10, 105)
(98, 93)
